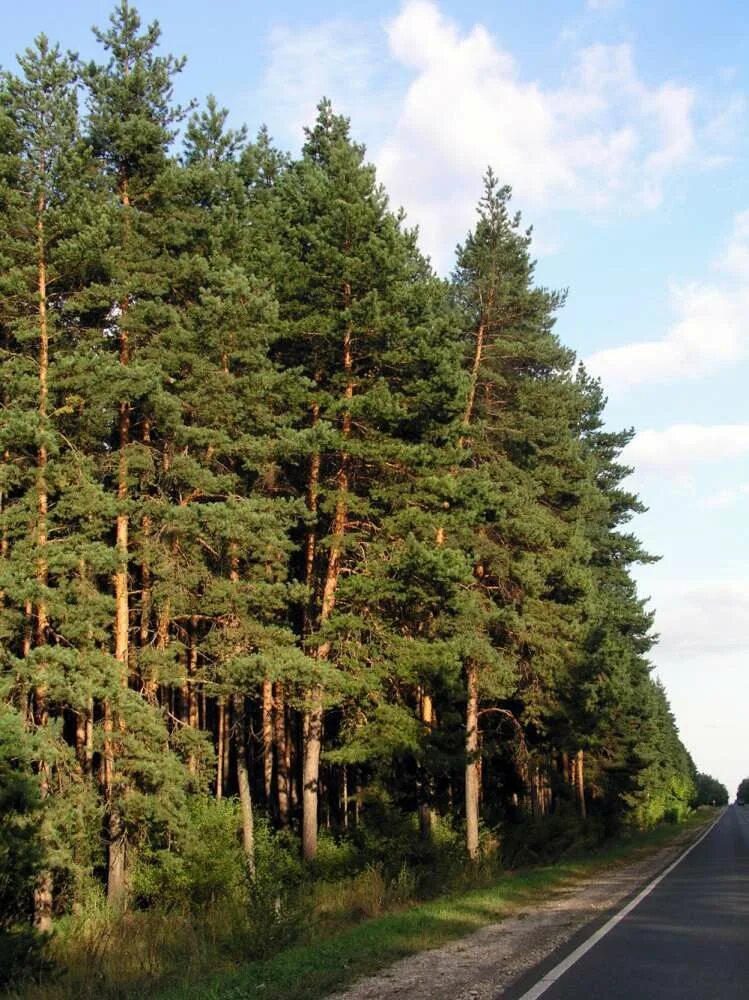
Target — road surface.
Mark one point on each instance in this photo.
(688, 939)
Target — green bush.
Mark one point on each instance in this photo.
(207, 865)
(22, 957)
(544, 839)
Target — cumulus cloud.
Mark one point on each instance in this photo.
(680, 448)
(450, 100)
(601, 135)
(710, 330)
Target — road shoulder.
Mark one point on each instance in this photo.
(493, 961)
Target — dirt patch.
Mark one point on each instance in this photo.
(484, 964)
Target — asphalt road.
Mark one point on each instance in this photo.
(687, 940)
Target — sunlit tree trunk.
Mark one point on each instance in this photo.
(243, 784)
(426, 714)
(267, 723)
(472, 748)
(283, 755)
(314, 716)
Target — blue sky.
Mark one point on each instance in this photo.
(621, 126)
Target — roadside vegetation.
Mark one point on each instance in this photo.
(333, 930)
(316, 591)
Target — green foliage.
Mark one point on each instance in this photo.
(207, 866)
(709, 791)
(270, 489)
(21, 853)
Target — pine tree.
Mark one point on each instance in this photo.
(520, 425)
(347, 298)
(234, 522)
(284, 517)
(131, 122)
(48, 250)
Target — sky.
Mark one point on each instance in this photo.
(622, 128)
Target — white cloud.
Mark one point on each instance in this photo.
(450, 100)
(602, 136)
(679, 448)
(341, 59)
(602, 4)
(734, 261)
(711, 328)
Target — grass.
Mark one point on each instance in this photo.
(335, 930)
(325, 963)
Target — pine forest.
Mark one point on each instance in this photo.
(313, 564)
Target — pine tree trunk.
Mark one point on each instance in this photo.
(189, 693)
(84, 737)
(267, 710)
(564, 767)
(314, 718)
(312, 491)
(220, 739)
(472, 707)
(283, 756)
(472, 745)
(145, 569)
(43, 888)
(145, 591)
(151, 685)
(478, 356)
(117, 846)
(580, 784)
(344, 795)
(312, 721)
(426, 714)
(311, 772)
(43, 362)
(243, 784)
(534, 790)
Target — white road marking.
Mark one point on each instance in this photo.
(559, 970)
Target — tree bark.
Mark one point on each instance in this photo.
(44, 884)
(243, 784)
(283, 756)
(344, 795)
(312, 491)
(311, 772)
(220, 740)
(189, 694)
(84, 737)
(475, 368)
(267, 711)
(426, 714)
(471, 778)
(472, 704)
(314, 717)
(580, 784)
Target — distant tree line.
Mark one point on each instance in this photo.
(710, 791)
(286, 520)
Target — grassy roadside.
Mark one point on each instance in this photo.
(323, 964)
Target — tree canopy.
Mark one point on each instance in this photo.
(284, 516)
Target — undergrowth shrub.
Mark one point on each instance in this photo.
(541, 840)
(207, 864)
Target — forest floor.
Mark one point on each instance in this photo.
(467, 946)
